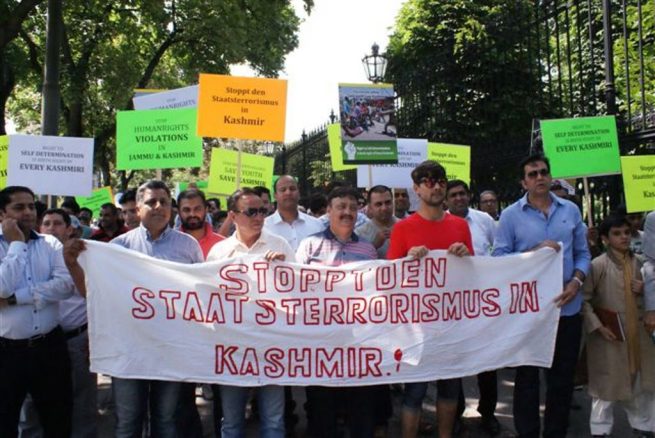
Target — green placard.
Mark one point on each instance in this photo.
(98, 198)
(369, 152)
(255, 171)
(639, 182)
(454, 157)
(586, 146)
(157, 139)
(336, 154)
(4, 153)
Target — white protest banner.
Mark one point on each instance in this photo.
(248, 322)
(411, 153)
(51, 165)
(186, 97)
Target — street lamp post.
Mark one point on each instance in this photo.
(375, 64)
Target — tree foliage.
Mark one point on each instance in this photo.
(111, 48)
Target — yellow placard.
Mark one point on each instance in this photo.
(243, 108)
(454, 157)
(255, 171)
(639, 182)
(4, 153)
(336, 152)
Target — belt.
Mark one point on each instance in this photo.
(70, 334)
(34, 341)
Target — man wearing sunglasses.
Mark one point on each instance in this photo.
(427, 229)
(247, 212)
(538, 220)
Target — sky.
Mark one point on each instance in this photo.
(332, 42)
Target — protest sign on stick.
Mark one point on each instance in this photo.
(639, 182)
(248, 322)
(454, 157)
(51, 165)
(98, 198)
(4, 145)
(186, 97)
(230, 170)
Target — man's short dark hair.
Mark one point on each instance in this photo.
(40, 208)
(428, 169)
(86, 209)
(7, 192)
(489, 192)
(191, 194)
(61, 212)
(380, 188)
(153, 184)
(234, 197)
(343, 192)
(216, 200)
(317, 202)
(457, 183)
(260, 190)
(72, 205)
(128, 196)
(612, 221)
(534, 158)
(111, 207)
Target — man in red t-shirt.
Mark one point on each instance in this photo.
(427, 229)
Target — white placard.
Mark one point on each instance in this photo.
(186, 97)
(411, 153)
(51, 165)
(248, 322)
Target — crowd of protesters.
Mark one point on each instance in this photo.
(47, 388)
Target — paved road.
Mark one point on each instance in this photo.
(579, 414)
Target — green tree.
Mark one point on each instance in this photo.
(111, 48)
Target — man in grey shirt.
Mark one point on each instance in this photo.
(155, 238)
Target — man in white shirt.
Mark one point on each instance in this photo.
(247, 211)
(287, 221)
(378, 229)
(33, 354)
(482, 228)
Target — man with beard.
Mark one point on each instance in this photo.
(427, 229)
(109, 223)
(401, 203)
(380, 210)
(33, 352)
(192, 210)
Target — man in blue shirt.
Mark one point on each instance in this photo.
(155, 238)
(538, 220)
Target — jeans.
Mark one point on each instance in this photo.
(357, 402)
(559, 385)
(271, 410)
(132, 397)
(447, 390)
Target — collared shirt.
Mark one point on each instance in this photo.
(233, 247)
(72, 312)
(208, 240)
(325, 249)
(171, 245)
(483, 228)
(522, 227)
(370, 229)
(304, 225)
(361, 220)
(34, 271)
(101, 235)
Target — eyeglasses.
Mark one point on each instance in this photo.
(431, 182)
(252, 212)
(533, 173)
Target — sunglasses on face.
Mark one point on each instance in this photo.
(252, 212)
(430, 182)
(533, 173)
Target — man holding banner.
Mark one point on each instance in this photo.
(155, 238)
(336, 246)
(540, 219)
(427, 229)
(247, 212)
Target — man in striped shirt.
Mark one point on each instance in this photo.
(339, 245)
